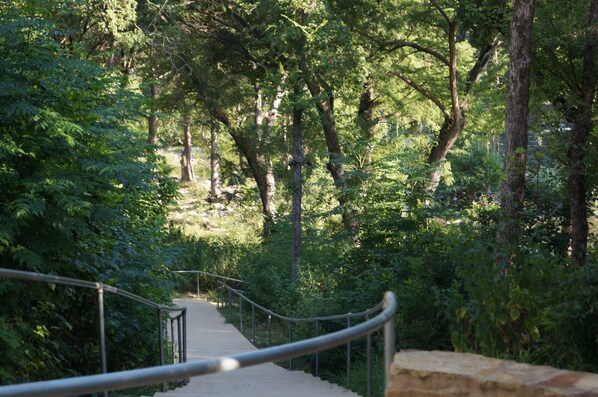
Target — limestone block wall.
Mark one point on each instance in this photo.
(416, 373)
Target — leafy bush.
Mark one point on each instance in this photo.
(81, 195)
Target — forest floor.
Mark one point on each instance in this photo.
(193, 213)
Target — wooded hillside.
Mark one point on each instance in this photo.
(442, 149)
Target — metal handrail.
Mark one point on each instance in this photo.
(100, 287)
(316, 320)
(139, 377)
(198, 272)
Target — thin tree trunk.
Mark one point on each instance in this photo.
(365, 119)
(454, 124)
(258, 165)
(187, 173)
(265, 171)
(215, 193)
(297, 164)
(152, 121)
(582, 126)
(513, 187)
(334, 165)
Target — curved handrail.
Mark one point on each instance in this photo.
(50, 278)
(139, 377)
(180, 312)
(364, 313)
(209, 274)
(217, 276)
(317, 321)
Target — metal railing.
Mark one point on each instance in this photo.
(348, 319)
(183, 370)
(213, 275)
(174, 314)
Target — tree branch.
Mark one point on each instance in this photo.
(396, 44)
(441, 11)
(423, 91)
(484, 56)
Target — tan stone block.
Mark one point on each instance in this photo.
(433, 374)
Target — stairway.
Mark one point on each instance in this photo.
(209, 336)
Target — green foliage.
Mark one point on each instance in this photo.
(475, 172)
(80, 196)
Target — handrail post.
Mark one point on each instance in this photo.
(349, 353)
(197, 283)
(103, 361)
(369, 361)
(253, 321)
(290, 341)
(269, 330)
(317, 352)
(185, 339)
(171, 338)
(185, 335)
(389, 344)
(161, 344)
(241, 314)
(230, 303)
(179, 338)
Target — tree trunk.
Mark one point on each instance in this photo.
(447, 138)
(365, 119)
(187, 173)
(297, 164)
(580, 133)
(513, 187)
(215, 193)
(335, 165)
(453, 124)
(261, 170)
(264, 171)
(152, 121)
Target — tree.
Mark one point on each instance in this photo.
(296, 165)
(81, 195)
(235, 54)
(453, 114)
(187, 172)
(582, 127)
(215, 193)
(513, 188)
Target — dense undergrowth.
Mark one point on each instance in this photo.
(439, 261)
(81, 196)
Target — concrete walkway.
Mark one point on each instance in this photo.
(209, 336)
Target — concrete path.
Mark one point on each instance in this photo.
(209, 336)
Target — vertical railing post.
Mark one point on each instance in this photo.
(369, 362)
(197, 283)
(349, 353)
(241, 314)
(317, 352)
(179, 337)
(389, 345)
(161, 344)
(171, 338)
(185, 335)
(290, 341)
(230, 303)
(253, 321)
(185, 338)
(103, 361)
(269, 330)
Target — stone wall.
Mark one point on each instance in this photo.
(417, 373)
